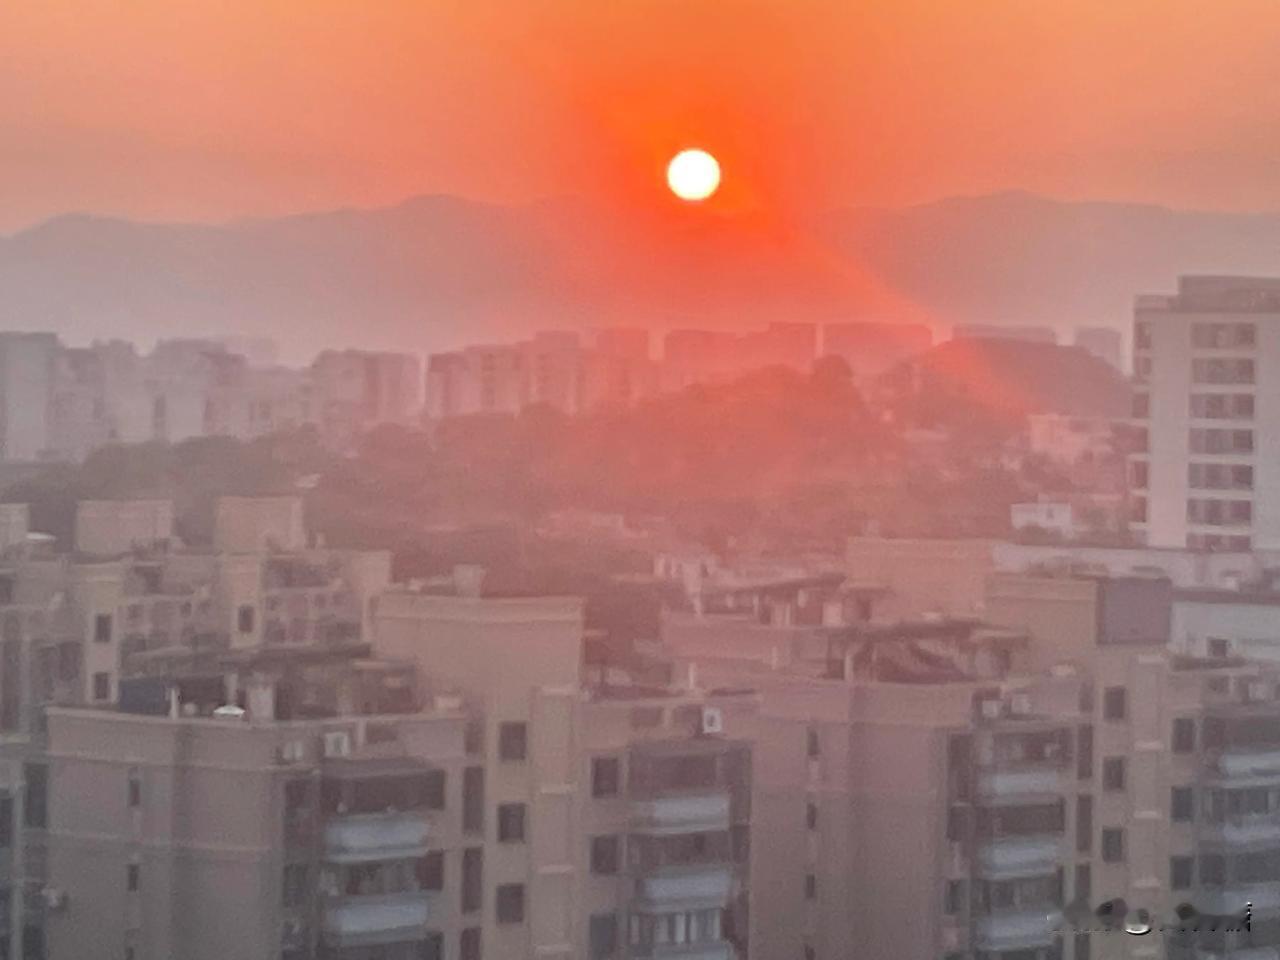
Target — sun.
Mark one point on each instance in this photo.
(693, 175)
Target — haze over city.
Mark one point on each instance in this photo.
(639, 480)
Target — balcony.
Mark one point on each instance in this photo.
(686, 888)
(371, 921)
(715, 950)
(1012, 857)
(379, 836)
(693, 813)
(1017, 931)
(1232, 899)
(996, 785)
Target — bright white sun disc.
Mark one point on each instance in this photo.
(693, 175)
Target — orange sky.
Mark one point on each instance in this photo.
(223, 108)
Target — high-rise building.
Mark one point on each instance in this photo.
(27, 374)
(1206, 473)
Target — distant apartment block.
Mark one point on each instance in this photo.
(1206, 471)
(553, 369)
(60, 403)
(872, 349)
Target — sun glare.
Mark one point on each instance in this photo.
(693, 175)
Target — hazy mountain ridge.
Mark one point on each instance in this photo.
(434, 271)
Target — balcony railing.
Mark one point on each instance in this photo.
(1239, 762)
(686, 888)
(1023, 930)
(1247, 830)
(1232, 899)
(370, 921)
(365, 838)
(1003, 784)
(697, 812)
(1019, 857)
(716, 950)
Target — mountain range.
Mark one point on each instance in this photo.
(439, 271)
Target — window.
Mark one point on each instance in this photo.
(133, 877)
(1213, 870)
(511, 822)
(513, 741)
(1184, 735)
(509, 902)
(810, 886)
(102, 628)
(469, 944)
(1141, 406)
(473, 800)
(606, 776)
(295, 884)
(811, 815)
(37, 810)
(954, 901)
(472, 879)
(1115, 703)
(1219, 648)
(102, 686)
(1084, 752)
(813, 744)
(430, 870)
(1083, 890)
(605, 856)
(244, 618)
(1084, 823)
(1180, 871)
(432, 946)
(1113, 845)
(1113, 773)
(1181, 805)
(1139, 475)
(1084, 946)
(957, 823)
(602, 936)
(135, 789)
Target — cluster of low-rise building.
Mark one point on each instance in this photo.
(938, 750)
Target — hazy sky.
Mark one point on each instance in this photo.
(223, 108)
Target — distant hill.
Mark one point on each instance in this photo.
(437, 271)
(999, 382)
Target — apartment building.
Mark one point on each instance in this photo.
(353, 390)
(1206, 474)
(974, 790)
(635, 796)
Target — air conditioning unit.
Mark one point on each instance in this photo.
(991, 709)
(1256, 690)
(337, 743)
(54, 899)
(712, 720)
(1020, 704)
